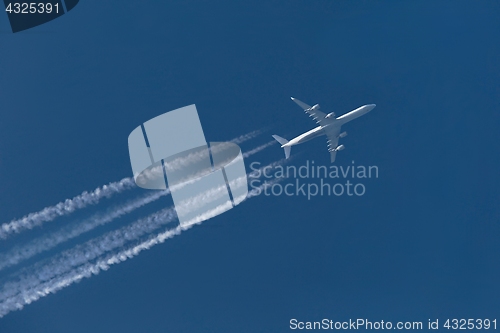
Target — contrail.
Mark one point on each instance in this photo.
(260, 148)
(108, 242)
(81, 201)
(246, 137)
(74, 264)
(86, 252)
(201, 155)
(66, 207)
(45, 243)
(87, 269)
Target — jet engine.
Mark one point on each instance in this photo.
(339, 148)
(315, 107)
(343, 135)
(331, 114)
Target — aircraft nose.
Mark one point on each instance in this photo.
(371, 106)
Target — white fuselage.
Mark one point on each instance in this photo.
(318, 131)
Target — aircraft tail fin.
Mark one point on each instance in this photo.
(287, 151)
(283, 141)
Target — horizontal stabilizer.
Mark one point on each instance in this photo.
(283, 141)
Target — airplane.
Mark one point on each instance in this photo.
(328, 125)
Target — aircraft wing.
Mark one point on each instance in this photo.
(317, 115)
(332, 136)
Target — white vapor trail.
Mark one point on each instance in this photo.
(75, 264)
(110, 241)
(47, 242)
(246, 137)
(81, 201)
(66, 207)
(86, 252)
(86, 270)
(35, 291)
(259, 148)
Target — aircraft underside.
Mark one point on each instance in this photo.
(328, 125)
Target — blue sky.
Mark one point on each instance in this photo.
(421, 243)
